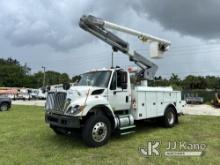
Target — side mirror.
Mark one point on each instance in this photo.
(48, 88)
(66, 86)
(43, 90)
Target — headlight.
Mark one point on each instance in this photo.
(73, 110)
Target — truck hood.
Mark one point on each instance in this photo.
(77, 92)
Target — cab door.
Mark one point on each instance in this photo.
(118, 94)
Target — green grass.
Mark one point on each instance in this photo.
(26, 139)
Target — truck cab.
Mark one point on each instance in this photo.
(105, 87)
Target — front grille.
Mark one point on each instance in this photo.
(55, 101)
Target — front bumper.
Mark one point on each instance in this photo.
(62, 121)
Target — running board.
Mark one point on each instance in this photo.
(125, 133)
(127, 130)
(128, 127)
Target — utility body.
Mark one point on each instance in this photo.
(112, 100)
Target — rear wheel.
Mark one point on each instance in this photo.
(4, 107)
(170, 117)
(97, 130)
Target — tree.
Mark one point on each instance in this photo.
(174, 79)
(194, 82)
(64, 78)
(212, 82)
(11, 73)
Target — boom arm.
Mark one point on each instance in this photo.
(97, 27)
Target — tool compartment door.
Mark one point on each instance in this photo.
(141, 106)
(151, 101)
(146, 105)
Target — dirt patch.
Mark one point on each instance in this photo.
(201, 110)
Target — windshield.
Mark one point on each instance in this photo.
(98, 78)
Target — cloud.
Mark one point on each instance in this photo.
(30, 22)
(198, 18)
(54, 23)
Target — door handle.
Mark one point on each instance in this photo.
(127, 98)
(119, 91)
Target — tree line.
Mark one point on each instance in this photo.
(190, 82)
(14, 74)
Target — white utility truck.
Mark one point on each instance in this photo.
(112, 100)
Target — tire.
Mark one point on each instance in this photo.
(59, 131)
(170, 117)
(96, 131)
(4, 107)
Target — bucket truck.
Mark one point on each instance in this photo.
(106, 100)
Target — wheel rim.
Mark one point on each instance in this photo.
(170, 117)
(99, 132)
(4, 108)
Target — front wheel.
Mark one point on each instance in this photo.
(97, 130)
(170, 117)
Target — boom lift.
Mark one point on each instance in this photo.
(98, 27)
(106, 100)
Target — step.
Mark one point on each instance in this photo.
(128, 127)
(125, 133)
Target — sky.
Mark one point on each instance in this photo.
(46, 33)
